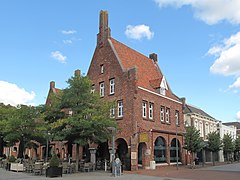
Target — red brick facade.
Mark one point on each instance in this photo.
(136, 78)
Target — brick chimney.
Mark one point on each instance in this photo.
(153, 56)
(104, 30)
(77, 72)
(52, 84)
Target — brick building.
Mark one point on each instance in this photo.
(149, 115)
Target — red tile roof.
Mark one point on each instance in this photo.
(148, 72)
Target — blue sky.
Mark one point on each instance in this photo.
(197, 42)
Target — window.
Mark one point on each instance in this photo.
(112, 112)
(196, 124)
(150, 110)
(101, 69)
(177, 118)
(120, 108)
(93, 89)
(112, 86)
(167, 115)
(162, 113)
(144, 109)
(101, 89)
(162, 91)
(206, 129)
(201, 128)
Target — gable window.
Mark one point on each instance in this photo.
(144, 109)
(167, 115)
(162, 113)
(101, 89)
(101, 69)
(162, 91)
(93, 89)
(120, 108)
(112, 86)
(112, 112)
(177, 118)
(150, 111)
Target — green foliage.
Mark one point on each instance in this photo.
(192, 140)
(54, 161)
(237, 144)
(214, 141)
(90, 117)
(12, 159)
(228, 145)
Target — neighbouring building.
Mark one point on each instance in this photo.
(194, 116)
(224, 130)
(236, 124)
(148, 113)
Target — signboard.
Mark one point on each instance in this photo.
(133, 155)
(143, 137)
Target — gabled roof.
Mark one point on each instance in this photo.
(149, 75)
(192, 109)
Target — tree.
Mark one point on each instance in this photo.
(228, 146)
(214, 143)
(89, 119)
(192, 141)
(237, 147)
(25, 124)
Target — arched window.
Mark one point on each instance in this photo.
(160, 150)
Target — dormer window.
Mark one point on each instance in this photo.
(101, 69)
(162, 91)
(163, 86)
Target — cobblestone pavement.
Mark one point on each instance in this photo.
(209, 172)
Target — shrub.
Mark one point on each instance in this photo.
(12, 158)
(54, 162)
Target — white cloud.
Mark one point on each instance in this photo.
(236, 84)
(58, 56)
(228, 56)
(238, 116)
(209, 11)
(68, 41)
(14, 95)
(68, 32)
(138, 32)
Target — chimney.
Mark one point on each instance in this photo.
(77, 72)
(52, 84)
(104, 30)
(183, 100)
(153, 56)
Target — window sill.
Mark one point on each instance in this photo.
(119, 118)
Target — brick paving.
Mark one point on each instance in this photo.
(209, 172)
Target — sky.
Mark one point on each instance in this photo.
(197, 42)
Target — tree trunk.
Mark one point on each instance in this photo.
(77, 157)
(213, 156)
(20, 149)
(192, 160)
(1, 146)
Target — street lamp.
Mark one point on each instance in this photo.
(177, 144)
(48, 134)
(113, 129)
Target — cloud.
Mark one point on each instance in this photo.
(238, 116)
(58, 56)
(228, 56)
(209, 11)
(138, 32)
(68, 41)
(14, 95)
(236, 84)
(68, 32)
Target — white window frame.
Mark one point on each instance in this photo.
(144, 109)
(101, 86)
(93, 89)
(120, 108)
(206, 129)
(112, 112)
(162, 110)
(101, 68)
(150, 111)
(167, 115)
(177, 117)
(112, 86)
(196, 124)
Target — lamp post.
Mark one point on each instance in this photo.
(177, 144)
(47, 146)
(113, 129)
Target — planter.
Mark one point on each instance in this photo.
(54, 171)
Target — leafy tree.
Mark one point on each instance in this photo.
(237, 147)
(87, 115)
(25, 125)
(214, 143)
(228, 145)
(192, 141)
(6, 112)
